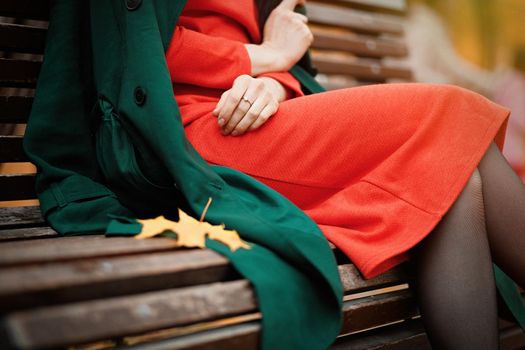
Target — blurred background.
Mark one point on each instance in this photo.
(477, 44)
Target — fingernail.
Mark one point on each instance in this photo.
(221, 121)
(235, 133)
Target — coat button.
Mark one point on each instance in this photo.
(132, 5)
(140, 96)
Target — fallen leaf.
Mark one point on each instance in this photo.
(191, 232)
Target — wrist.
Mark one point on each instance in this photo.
(265, 59)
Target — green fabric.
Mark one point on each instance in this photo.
(104, 151)
(308, 82)
(511, 295)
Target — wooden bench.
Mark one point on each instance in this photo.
(93, 292)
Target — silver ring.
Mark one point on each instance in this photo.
(245, 99)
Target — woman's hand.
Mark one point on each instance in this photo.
(248, 104)
(286, 38)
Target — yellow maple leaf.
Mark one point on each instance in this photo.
(190, 232)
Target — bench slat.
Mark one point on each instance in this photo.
(25, 8)
(377, 310)
(357, 20)
(22, 38)
(408, 335)
(44, 284)
(80, 322)
(357, 44)
(77, 247)
(370, 70)
(11, 149)
(401, 336)
(18, 72)
(27, 233)
(36, 285)
(15, 109)
(392, 5)
(13, 217)
(353, 281)
(17, 187)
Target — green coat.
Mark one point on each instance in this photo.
(106, 136)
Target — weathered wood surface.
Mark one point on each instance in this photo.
(395, 6)
(17, 186)
(64, 281)
(27, 233)
(76, 248)
(359, 45)
(13, 217)
(82, 322)
(101, 319)
(360, 68)
(359, 21)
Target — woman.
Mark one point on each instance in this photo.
(386, 171)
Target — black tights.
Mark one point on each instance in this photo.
(455, 283)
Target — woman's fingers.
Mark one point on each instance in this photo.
(252, 93)
(251, 116)
(231, 99)
(265, 114)
(246, 106)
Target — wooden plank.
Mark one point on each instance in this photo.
(17, 186)
(394, 6)
(22, 38)
(66, 281)
(359, 21)
(401, 336)
(11, 149)
(359, 45)
(76, 248)
(376, 310)
(13, 217)
(102, 319)
(18, 72)
(59, 283)
(238, 336)
(27, 233)
(25, 8)
(408, 335)
(366, 69)
(15, 109)
(353, 282)
(81, 322)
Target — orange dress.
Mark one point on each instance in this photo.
(376, 167)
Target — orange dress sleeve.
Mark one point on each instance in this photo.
(204, 60)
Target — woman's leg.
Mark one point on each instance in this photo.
(504, 199)
(455, 283)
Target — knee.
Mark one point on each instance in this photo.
(472, 194)
(474, 184)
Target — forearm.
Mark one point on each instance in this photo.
(264, 60)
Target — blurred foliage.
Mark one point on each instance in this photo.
(489, 33)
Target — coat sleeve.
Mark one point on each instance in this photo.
(203, 60)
